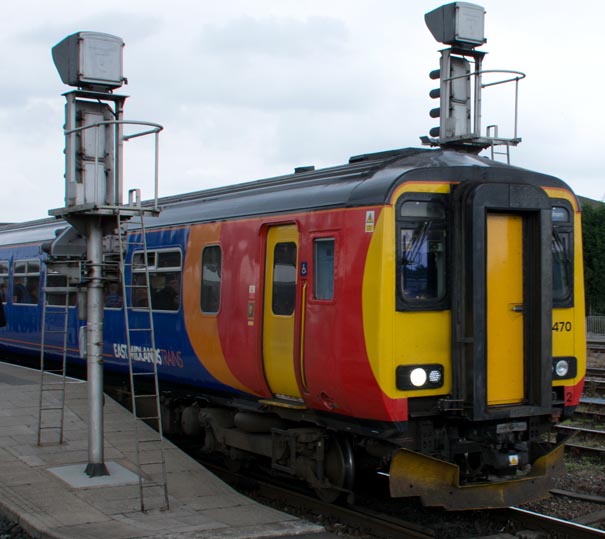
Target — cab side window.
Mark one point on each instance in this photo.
(421, 252)
(562, 254)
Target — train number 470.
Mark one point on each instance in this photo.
(562, 327)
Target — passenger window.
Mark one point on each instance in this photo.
(210, 297)
(26, 281)
(57, 288)
(165, 269)
(323, 284)
(421, 252)
(562, 251)
(284, 278)
(3, 280)
(112, 289)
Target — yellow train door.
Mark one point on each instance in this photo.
(279, 311)
(505, 317)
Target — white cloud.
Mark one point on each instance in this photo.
(252, 88)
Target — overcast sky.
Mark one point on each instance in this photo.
(248, 89)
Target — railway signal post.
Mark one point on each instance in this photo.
(92, 62)
(461, 26)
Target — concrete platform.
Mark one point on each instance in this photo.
(46, 490)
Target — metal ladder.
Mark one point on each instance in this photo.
(55, 322)
(142, 364)
(492, 132)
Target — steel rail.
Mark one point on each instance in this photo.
(553, 526)
(359, 518)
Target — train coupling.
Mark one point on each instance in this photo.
(437, 482)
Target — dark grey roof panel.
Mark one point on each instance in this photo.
(368, 179)
(30, 232)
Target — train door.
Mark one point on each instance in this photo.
(280, 310)
(505, 321)
(501, 299)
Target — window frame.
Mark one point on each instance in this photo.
(316, 241)
(154, 270)
(56, 298)
(292, 285)
(442, 303)
(5, 278)
(205, 249)
(565, 229)
(111, 261)
(27, 274)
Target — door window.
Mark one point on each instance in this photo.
(210, 300)
(284, 278)
(324, 268)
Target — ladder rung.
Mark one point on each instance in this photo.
(148, 418)
(155, 440)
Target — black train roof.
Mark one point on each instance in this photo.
(366, 180)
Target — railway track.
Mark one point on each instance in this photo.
(373, 523)
(376, 524)
(595, 372)
(553, 527)
(595, 345)
(588, 427)
(361, 519)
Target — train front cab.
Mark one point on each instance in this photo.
(473, 337)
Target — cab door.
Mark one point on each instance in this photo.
(279, 313)
(501, 300)
(505, 309)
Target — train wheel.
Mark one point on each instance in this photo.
(339, 469)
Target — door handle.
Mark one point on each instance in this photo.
(518, 308)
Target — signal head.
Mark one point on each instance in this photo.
(460, 24)
(90, 60)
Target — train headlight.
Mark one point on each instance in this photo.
(564, 367)
(419, 376)
(561, 368)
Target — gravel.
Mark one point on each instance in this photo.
(11, 530)
(582, 475)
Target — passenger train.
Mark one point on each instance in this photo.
(418, 313)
